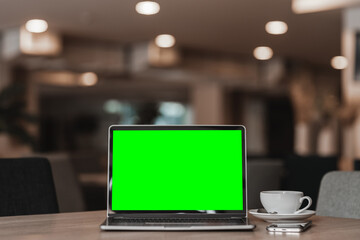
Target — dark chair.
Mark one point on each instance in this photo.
(26, 187)
(357, 164)
(263, 174)
(304, 173)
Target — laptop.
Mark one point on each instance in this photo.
(174, 178)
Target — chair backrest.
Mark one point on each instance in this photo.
(357, 164)
(262, 174)
(339, 195)
(26, 187)
(68, 191)
(304, 173)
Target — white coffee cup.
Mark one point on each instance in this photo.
(284, 202)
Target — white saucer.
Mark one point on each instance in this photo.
(282, 217)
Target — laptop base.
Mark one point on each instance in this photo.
(110, 224)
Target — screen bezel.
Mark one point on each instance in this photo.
(177, 214)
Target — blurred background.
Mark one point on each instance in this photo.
(287, 70)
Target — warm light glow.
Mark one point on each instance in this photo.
(308, 6)
(276, 27)
(263, 53)
(36, 26)
(88, 79)
(42, 44)
(165, 40)
(147, 7)
(339, 62)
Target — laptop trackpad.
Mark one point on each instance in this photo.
(169, 224)
(176, 224)
(182, 226)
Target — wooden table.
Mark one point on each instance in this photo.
(85, 225)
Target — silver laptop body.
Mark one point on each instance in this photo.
(126, 219)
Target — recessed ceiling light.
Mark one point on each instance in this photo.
(276, 27)
(339, 62)
(88, 79)
(263, 53)
(36, 25)
(147, 7)
(165, 40)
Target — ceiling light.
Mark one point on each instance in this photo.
(263, 53)
(339, 62)
(36, 25)
(276, 27)
(309, 6)
(88, 79)
(165, 40)
(147, 7)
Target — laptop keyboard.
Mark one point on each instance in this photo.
(177, 220)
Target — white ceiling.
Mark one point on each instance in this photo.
(234, 26)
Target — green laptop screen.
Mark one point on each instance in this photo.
(177, 170)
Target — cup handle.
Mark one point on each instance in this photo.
(301, 200)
